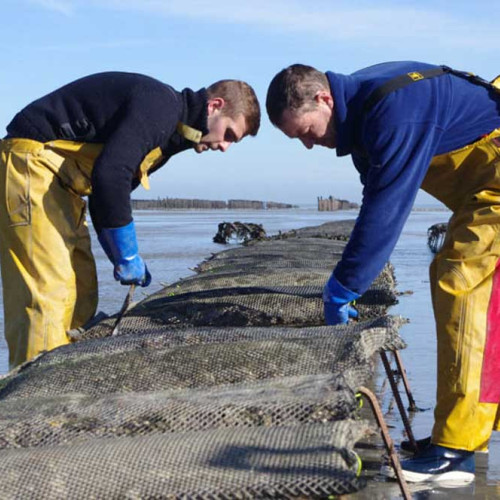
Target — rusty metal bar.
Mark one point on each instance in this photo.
(389, 444)
(402, 372)
(399, 401)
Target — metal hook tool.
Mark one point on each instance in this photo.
(123, 310)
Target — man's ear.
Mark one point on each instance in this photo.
(323, 96)
(215, 104)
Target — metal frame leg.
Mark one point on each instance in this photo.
(389, 444)
(397, 397)
(402, 372)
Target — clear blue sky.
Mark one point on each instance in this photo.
(191, 43)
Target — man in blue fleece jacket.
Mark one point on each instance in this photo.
(409, 125)
(99, 136)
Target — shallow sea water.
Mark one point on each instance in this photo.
(172, 242)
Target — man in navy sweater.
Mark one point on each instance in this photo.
(410, 125)
(100, 136)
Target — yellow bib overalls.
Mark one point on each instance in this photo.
(48, 270)
(465, 287)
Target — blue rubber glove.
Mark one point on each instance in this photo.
(337, 299)
(120, 245)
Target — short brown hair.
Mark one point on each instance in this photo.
(293, 88)
(240, 98)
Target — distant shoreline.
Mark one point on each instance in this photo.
(431, 209)
(168, 204)
(198, 204)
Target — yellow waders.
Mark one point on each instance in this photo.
(48, 271)
(465, 285)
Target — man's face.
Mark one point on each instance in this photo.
(314, 127)
(222, 130)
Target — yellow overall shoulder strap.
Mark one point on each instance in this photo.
(189, 133)
(155, 156)
(496, 83)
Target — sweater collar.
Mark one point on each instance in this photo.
(194, 109)
(346, 110)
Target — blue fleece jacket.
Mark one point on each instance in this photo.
(392, 146)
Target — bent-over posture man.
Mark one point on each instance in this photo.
(409, 125)
(100, 137)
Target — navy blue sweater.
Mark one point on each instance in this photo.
(392, 146)
(130, 114)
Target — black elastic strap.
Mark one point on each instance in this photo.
(415, 76)
(399, 82)
(471, 77)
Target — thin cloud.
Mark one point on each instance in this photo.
(116, 44)
(61, 6)
(336, 21)
(324, 19)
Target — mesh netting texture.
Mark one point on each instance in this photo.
(72, 418)
(386, 337)
(54, 418)
(218, 386)
(338, 230)
(204, 359)
(106, 403)
(311, 461)
(262, 284)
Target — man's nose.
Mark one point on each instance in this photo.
(308, 143)
(223, 146)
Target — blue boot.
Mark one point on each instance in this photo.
(421, 443)
(438, 464)
(481, 456)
